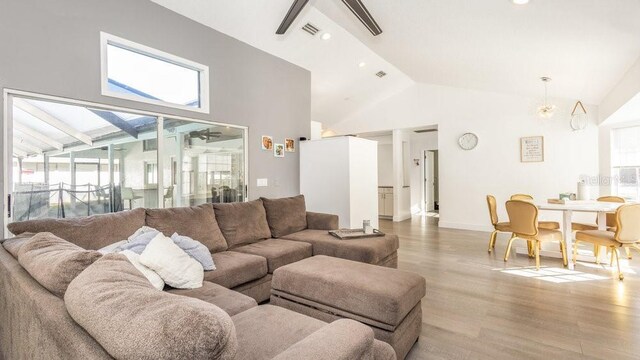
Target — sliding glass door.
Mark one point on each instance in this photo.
(72, 159)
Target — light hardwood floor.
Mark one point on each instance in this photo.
(472, 310)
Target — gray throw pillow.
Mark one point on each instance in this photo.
(196, 250)
(138, 243)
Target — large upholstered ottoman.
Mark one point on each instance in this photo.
(328, 288)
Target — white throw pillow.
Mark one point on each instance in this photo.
(174, 266)
(151, 275)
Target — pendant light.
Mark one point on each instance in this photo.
(546, 111)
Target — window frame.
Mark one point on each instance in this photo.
(107, 39)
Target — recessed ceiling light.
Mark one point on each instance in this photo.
(362, 64)
(520, 2)
(326, 36)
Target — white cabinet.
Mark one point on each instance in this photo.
(385, 202)
(339, 175)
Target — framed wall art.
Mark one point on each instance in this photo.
(267, 142)
(532, 149)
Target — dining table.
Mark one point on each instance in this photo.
(579, 206)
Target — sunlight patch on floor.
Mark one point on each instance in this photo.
(554, 275)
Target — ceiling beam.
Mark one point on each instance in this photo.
(51, 120)
(33, 134)
(28, 147)
(294, 11)
(117, 121)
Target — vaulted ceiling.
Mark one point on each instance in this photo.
(586, 46)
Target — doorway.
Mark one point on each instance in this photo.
(430, 182)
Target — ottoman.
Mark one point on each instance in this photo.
(327, 288)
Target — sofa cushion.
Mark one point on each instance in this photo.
(266, 331)
(89, 232)
(343, 339)
(286, 215)
(242, 222)
(232, 302)
(119, 308)
(13, 245)
(196, 222)
(234, 268)
(54, 262)
(368, 250)
(278, 252)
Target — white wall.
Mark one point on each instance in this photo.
(419, 143)
(494, 167)
(385, 165)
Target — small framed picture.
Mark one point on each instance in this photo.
(267, 142)
(278, 150)
(289, 145)
(532, 149)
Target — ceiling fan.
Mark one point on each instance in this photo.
(205, 134)
(356, 6)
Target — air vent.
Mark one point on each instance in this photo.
(310, 28)
(381, 74)
(424, 131)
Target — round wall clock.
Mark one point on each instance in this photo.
(468, 141)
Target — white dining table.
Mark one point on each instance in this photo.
(592, 206)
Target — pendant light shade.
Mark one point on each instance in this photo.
(546, 110)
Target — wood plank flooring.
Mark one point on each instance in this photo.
(472, 310)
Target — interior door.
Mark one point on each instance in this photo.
(429, 180)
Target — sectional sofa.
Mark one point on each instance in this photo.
(248, 241)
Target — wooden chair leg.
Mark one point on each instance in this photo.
(506, 254)
(536, 246)
(529, 249)
(596, 253)
(615, 251)
(492, 240)
(628, 251)
(575, 252)
(563, 250)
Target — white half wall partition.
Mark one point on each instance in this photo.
(339, 175)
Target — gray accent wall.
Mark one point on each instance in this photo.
(53, 47)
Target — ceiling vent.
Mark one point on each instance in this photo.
(310, 28)
(381, 74)
(424, 131)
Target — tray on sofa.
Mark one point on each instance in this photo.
(349, 234)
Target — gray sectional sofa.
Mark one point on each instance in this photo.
(248, 242)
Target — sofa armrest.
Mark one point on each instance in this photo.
(319, 221)
(343, 339)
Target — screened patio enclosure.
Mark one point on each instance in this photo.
(72, 160)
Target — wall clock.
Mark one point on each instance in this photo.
(468, 141)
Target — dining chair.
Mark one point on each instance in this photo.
(551, 225)
(521, 197)
(497, 226)
(611, 224)
(523, 217)
(626, 234)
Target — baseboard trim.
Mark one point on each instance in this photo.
(460, 226)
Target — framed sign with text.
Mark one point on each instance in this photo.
(532, 149)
